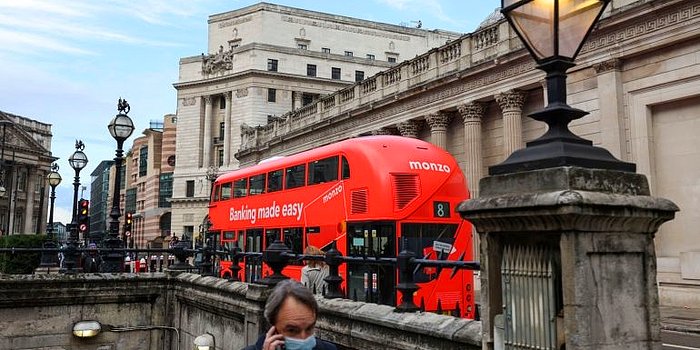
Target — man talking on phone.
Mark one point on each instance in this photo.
(291, 309)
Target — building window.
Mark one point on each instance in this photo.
(302, 46)
(187, 232)
(306, 99)
(21, 181)
(370, 56)
(189, 188)
(143, 161)
(348, 53)
(222, 102)
(165, 190)
(359, 75)
(130, 200)
(335, 73)
(325, 50)
(391, 59)
(271, 95)
(311, 70)
(271, 65)
(220, 157)
(222, 128)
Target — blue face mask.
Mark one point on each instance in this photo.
(300, 344)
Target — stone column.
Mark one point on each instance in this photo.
(382, 131)
(611, 106)
(511, 103)
(471, 114)
(206, 138)
(438, 123)
(409, 128)
(598, 228)
(297, 100)
(227, 129)
(29, 202)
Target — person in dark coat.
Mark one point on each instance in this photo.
(291, 309)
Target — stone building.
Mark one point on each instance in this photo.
(25, 160)
(263, 61)
(149, 166)
(638, 77)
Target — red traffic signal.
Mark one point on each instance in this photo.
(129, 218)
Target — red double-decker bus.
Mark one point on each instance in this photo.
(373, 196)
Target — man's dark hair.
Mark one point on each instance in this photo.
(283, 290)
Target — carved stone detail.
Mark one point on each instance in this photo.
(241, 93)
(208, 99)
(511, 100)
(382, 131)
(471, 111)
(217, 62)
(438, 120)
(188, 101)
(610, 65)
(409, 128)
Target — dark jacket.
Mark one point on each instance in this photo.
(320, 345)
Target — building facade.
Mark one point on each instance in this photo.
(25, 161)
(263, 61)
(149, 166)
(100, 199)
(637, 76)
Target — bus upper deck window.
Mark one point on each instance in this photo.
(345, 171)
(257, 184)
(216, 193)
(295, 176)
(274, 181)
(225, 191)
(240, 188)
(323, 170)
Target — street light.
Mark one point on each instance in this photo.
(78, 160)
(54, 179)
(120, 128)
(553, 31)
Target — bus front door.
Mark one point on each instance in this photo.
(366, 281)
(253, 264)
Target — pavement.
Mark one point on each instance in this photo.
(680, 319)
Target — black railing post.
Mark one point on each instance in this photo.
(275, 256)
(405, 264)
(333, 259)
(235, 264)
(205, 267)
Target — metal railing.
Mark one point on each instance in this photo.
(277, 256)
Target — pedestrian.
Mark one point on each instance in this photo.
(314, 272)
(291, 309)
(91, 260)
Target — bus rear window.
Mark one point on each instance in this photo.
(257, 184)
(295, 176)
(226, 191)
(240, 188)
(323, 170)
(274, 181)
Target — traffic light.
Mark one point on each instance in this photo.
(127, 224)
(83, 216)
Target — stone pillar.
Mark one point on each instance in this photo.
(511, 103)
(409, 128)
(227, 129)
(297, 100)
(382, 131)
(206, 138)
(611, 106)
(599, 226)
(471, 114)
(29, 203)
(438, 123)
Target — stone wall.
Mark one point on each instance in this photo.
(153, 311)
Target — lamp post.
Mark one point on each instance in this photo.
(50, 259)
(553, 31)
(120, 128)
(78, 160)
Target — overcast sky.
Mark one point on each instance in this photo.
(66, 63)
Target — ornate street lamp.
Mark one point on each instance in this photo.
(78, 160)
(553, 31)
(120, 128)
(50, 259)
